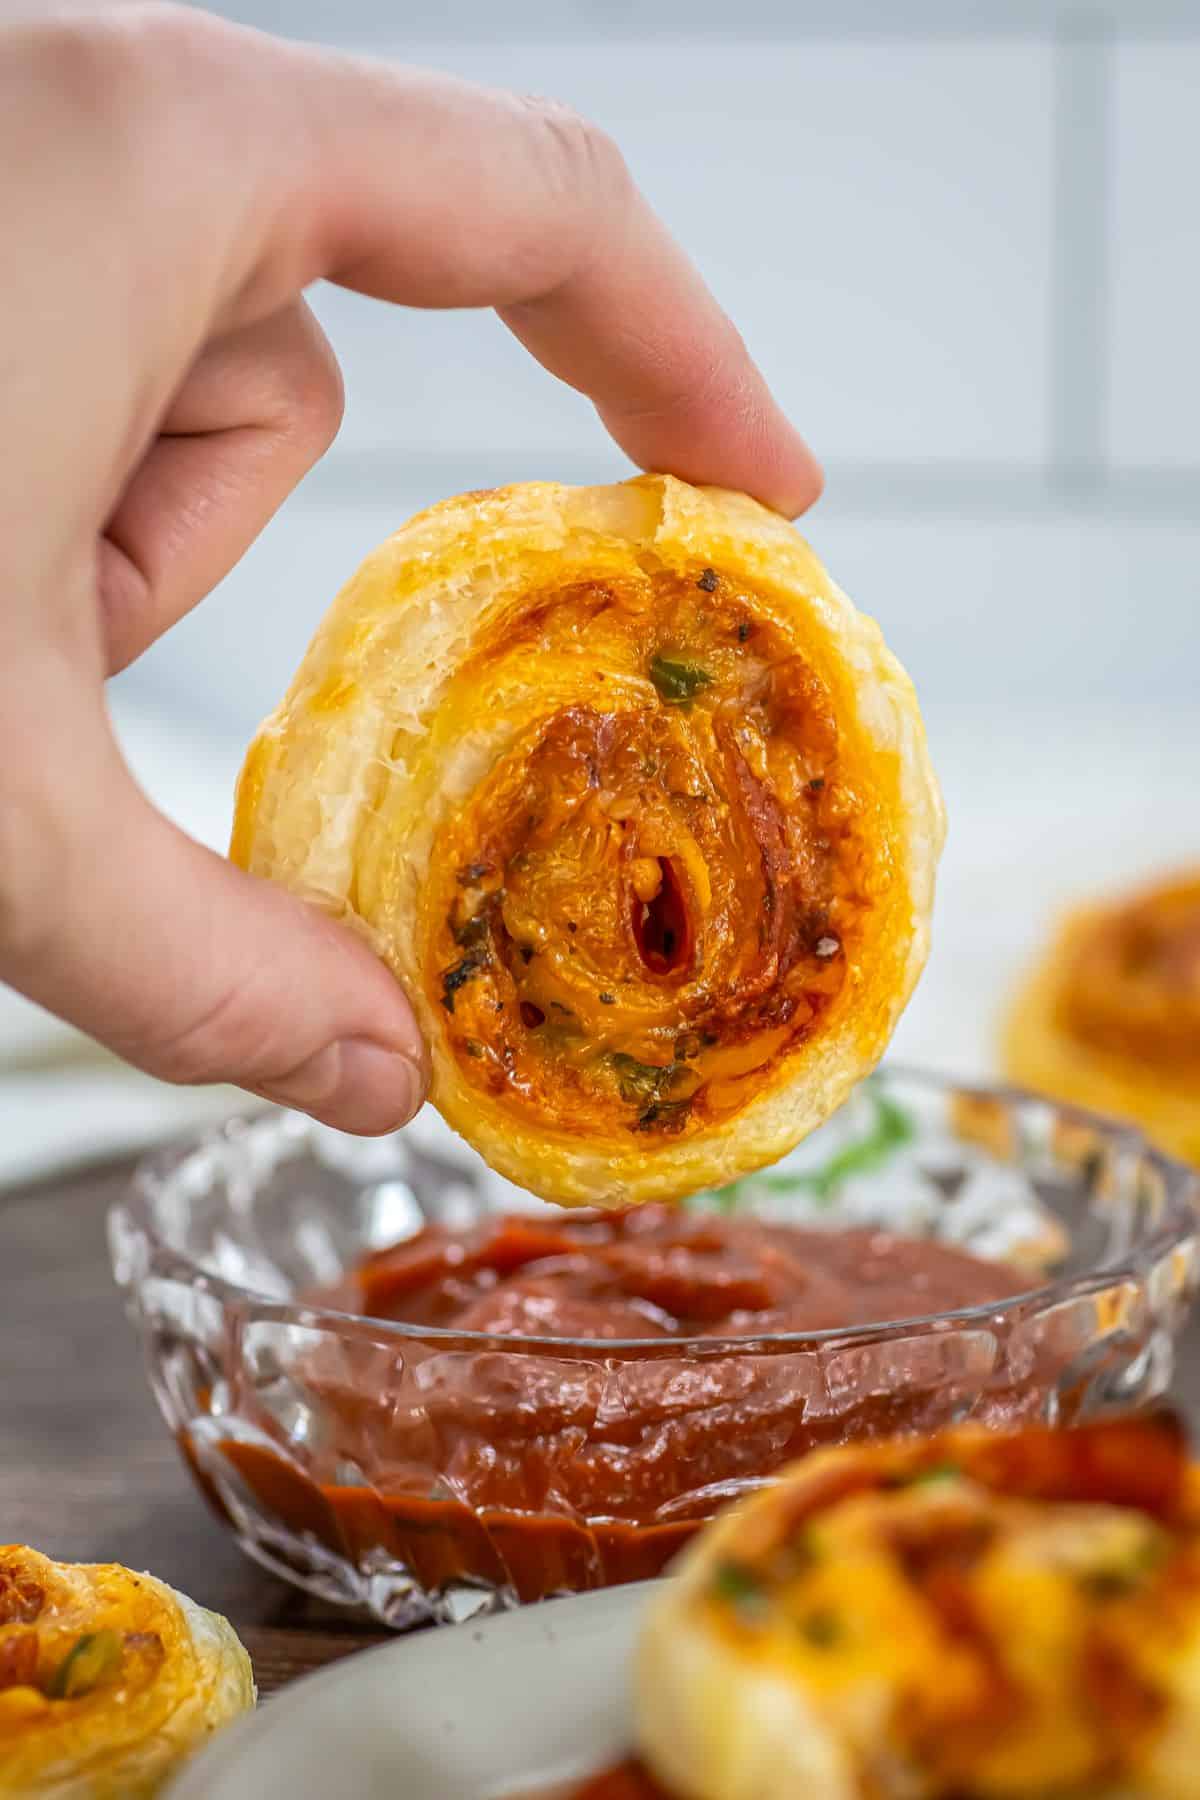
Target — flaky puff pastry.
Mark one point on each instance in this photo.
(1110, 1017)
(637, 808)
(108, 1680)
(965, 1617)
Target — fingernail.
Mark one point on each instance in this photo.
(355, 1085)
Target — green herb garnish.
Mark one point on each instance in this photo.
(665, 1115)
(88, 1661)
(678, 681)
(935, 1473)
(459, 975)
(733, 1581)
(1118, 1578)
(638, 1082)
(889, 1129)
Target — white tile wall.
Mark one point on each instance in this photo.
(1047, 807)
(1155, 348)
(1086, 610)
(877, 209)
(876, 216)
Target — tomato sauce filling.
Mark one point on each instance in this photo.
(654, 896)
(553, 1458)
(1132, 986)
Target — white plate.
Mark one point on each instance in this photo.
(466, 1712)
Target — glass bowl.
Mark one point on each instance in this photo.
(345, 1453)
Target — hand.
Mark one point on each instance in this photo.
(169, 185)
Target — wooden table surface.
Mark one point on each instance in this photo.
(88, 1471)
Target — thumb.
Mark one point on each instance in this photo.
(191, 969)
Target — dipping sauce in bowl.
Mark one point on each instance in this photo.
(663, 1273)
(413, 1402)
(645, 1396)
(562, 1471)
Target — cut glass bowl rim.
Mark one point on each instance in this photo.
(1180, 1222)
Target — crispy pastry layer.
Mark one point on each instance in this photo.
(108, 1679)
(1110, 1017)
(638, 809)
(967, 1617)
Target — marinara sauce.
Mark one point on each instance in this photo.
(526, 1444)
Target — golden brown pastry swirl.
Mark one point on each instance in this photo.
(108, 1679)
(1110, 1019)
(635, 805)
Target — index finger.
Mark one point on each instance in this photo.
(429, 191)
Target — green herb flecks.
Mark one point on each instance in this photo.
(890, 1128)
(637, 1082)
(1112, 1581)
(678, 682)
(665, 1115)
(935, 1474)
(88, 1661)
(459, 975)
(740, 1588)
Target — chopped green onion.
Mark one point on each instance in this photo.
(678, 681)
(890, 1128)
(739, 1585)
(669, 1115)
(89, 1660)
(937, 1472)
(460, 974)
(639, 1082)
(1111, 1582)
